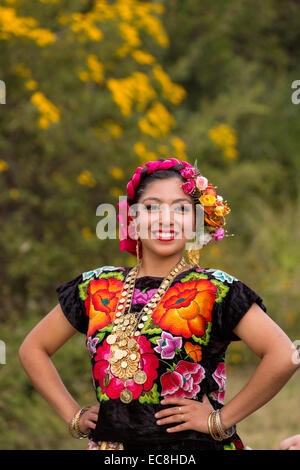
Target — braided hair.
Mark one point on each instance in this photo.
(145, 179)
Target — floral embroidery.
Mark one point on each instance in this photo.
(221, 290)
(149, 363)
(91, 345)
(175, 343)
(222, 275)
(194, 351)
(183, 381)
(167, 345)
(142, 297)
(186, 309)
(98, 271)
(105, 445)
(151, 396)
(220, 377)
(101, 302)
(235, 444)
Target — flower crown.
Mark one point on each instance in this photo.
(215, 210)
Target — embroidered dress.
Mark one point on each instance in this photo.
(182, 351)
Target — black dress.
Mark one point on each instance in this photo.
(182, 350)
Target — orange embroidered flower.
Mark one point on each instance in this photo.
(194, 351)
(186, 308)
(101, 302)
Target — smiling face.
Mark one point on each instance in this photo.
(164, 217)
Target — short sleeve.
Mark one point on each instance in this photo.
(72, 305)
(234, 306)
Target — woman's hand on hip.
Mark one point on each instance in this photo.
(191, 414)
(89, 419)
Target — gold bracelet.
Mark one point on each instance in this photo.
(212, 426)
(74, 424)
(225, 433)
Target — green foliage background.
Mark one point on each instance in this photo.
(236, 61)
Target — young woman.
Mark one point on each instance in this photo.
(157, 333)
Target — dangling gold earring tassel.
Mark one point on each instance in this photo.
(193, 256)
(137, 252)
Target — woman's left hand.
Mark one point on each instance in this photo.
(191, 414)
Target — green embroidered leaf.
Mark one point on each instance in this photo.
(152, 396)
(100, 395)
(221, 290)
(110, 274)
(83, 289)
(194, 276)
(154, 340)
(150, 328)
(230, 447)
(204, 339)
(104, 330)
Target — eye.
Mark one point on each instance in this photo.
(152, 207)
(184, 208)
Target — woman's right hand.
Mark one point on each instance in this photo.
(89, 419)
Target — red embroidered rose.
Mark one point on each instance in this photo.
(220, 377)
(101, 302)
(183, 381)
(149, 364)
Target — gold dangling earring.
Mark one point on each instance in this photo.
(137, 252)
(193, 256)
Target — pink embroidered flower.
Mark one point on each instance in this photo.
(167, 345)
(220, 377)
(149, 363)
(188, 186)
(201, 183)
(188, 172)
(91, 345)
(183, 381)
(219, 234)
(142, 297)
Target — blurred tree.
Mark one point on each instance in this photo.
(87, 102)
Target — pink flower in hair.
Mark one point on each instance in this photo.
(188, 172)
(219, 234)
(201, 182)
(188, 186)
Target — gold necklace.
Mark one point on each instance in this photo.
(124, 362)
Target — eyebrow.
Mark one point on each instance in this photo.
(159, 200)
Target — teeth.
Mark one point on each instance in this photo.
(165, 235)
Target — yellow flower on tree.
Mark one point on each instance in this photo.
(142, 57)
(225, 137)
(129, 90)
(172, 92)
(158, 121)
(3, 165)
(116, 172)
(85, 178)
(49, 112)
(19, 26)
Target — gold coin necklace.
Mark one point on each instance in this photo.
(125, 359)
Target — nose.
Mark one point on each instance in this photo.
(165, 217)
